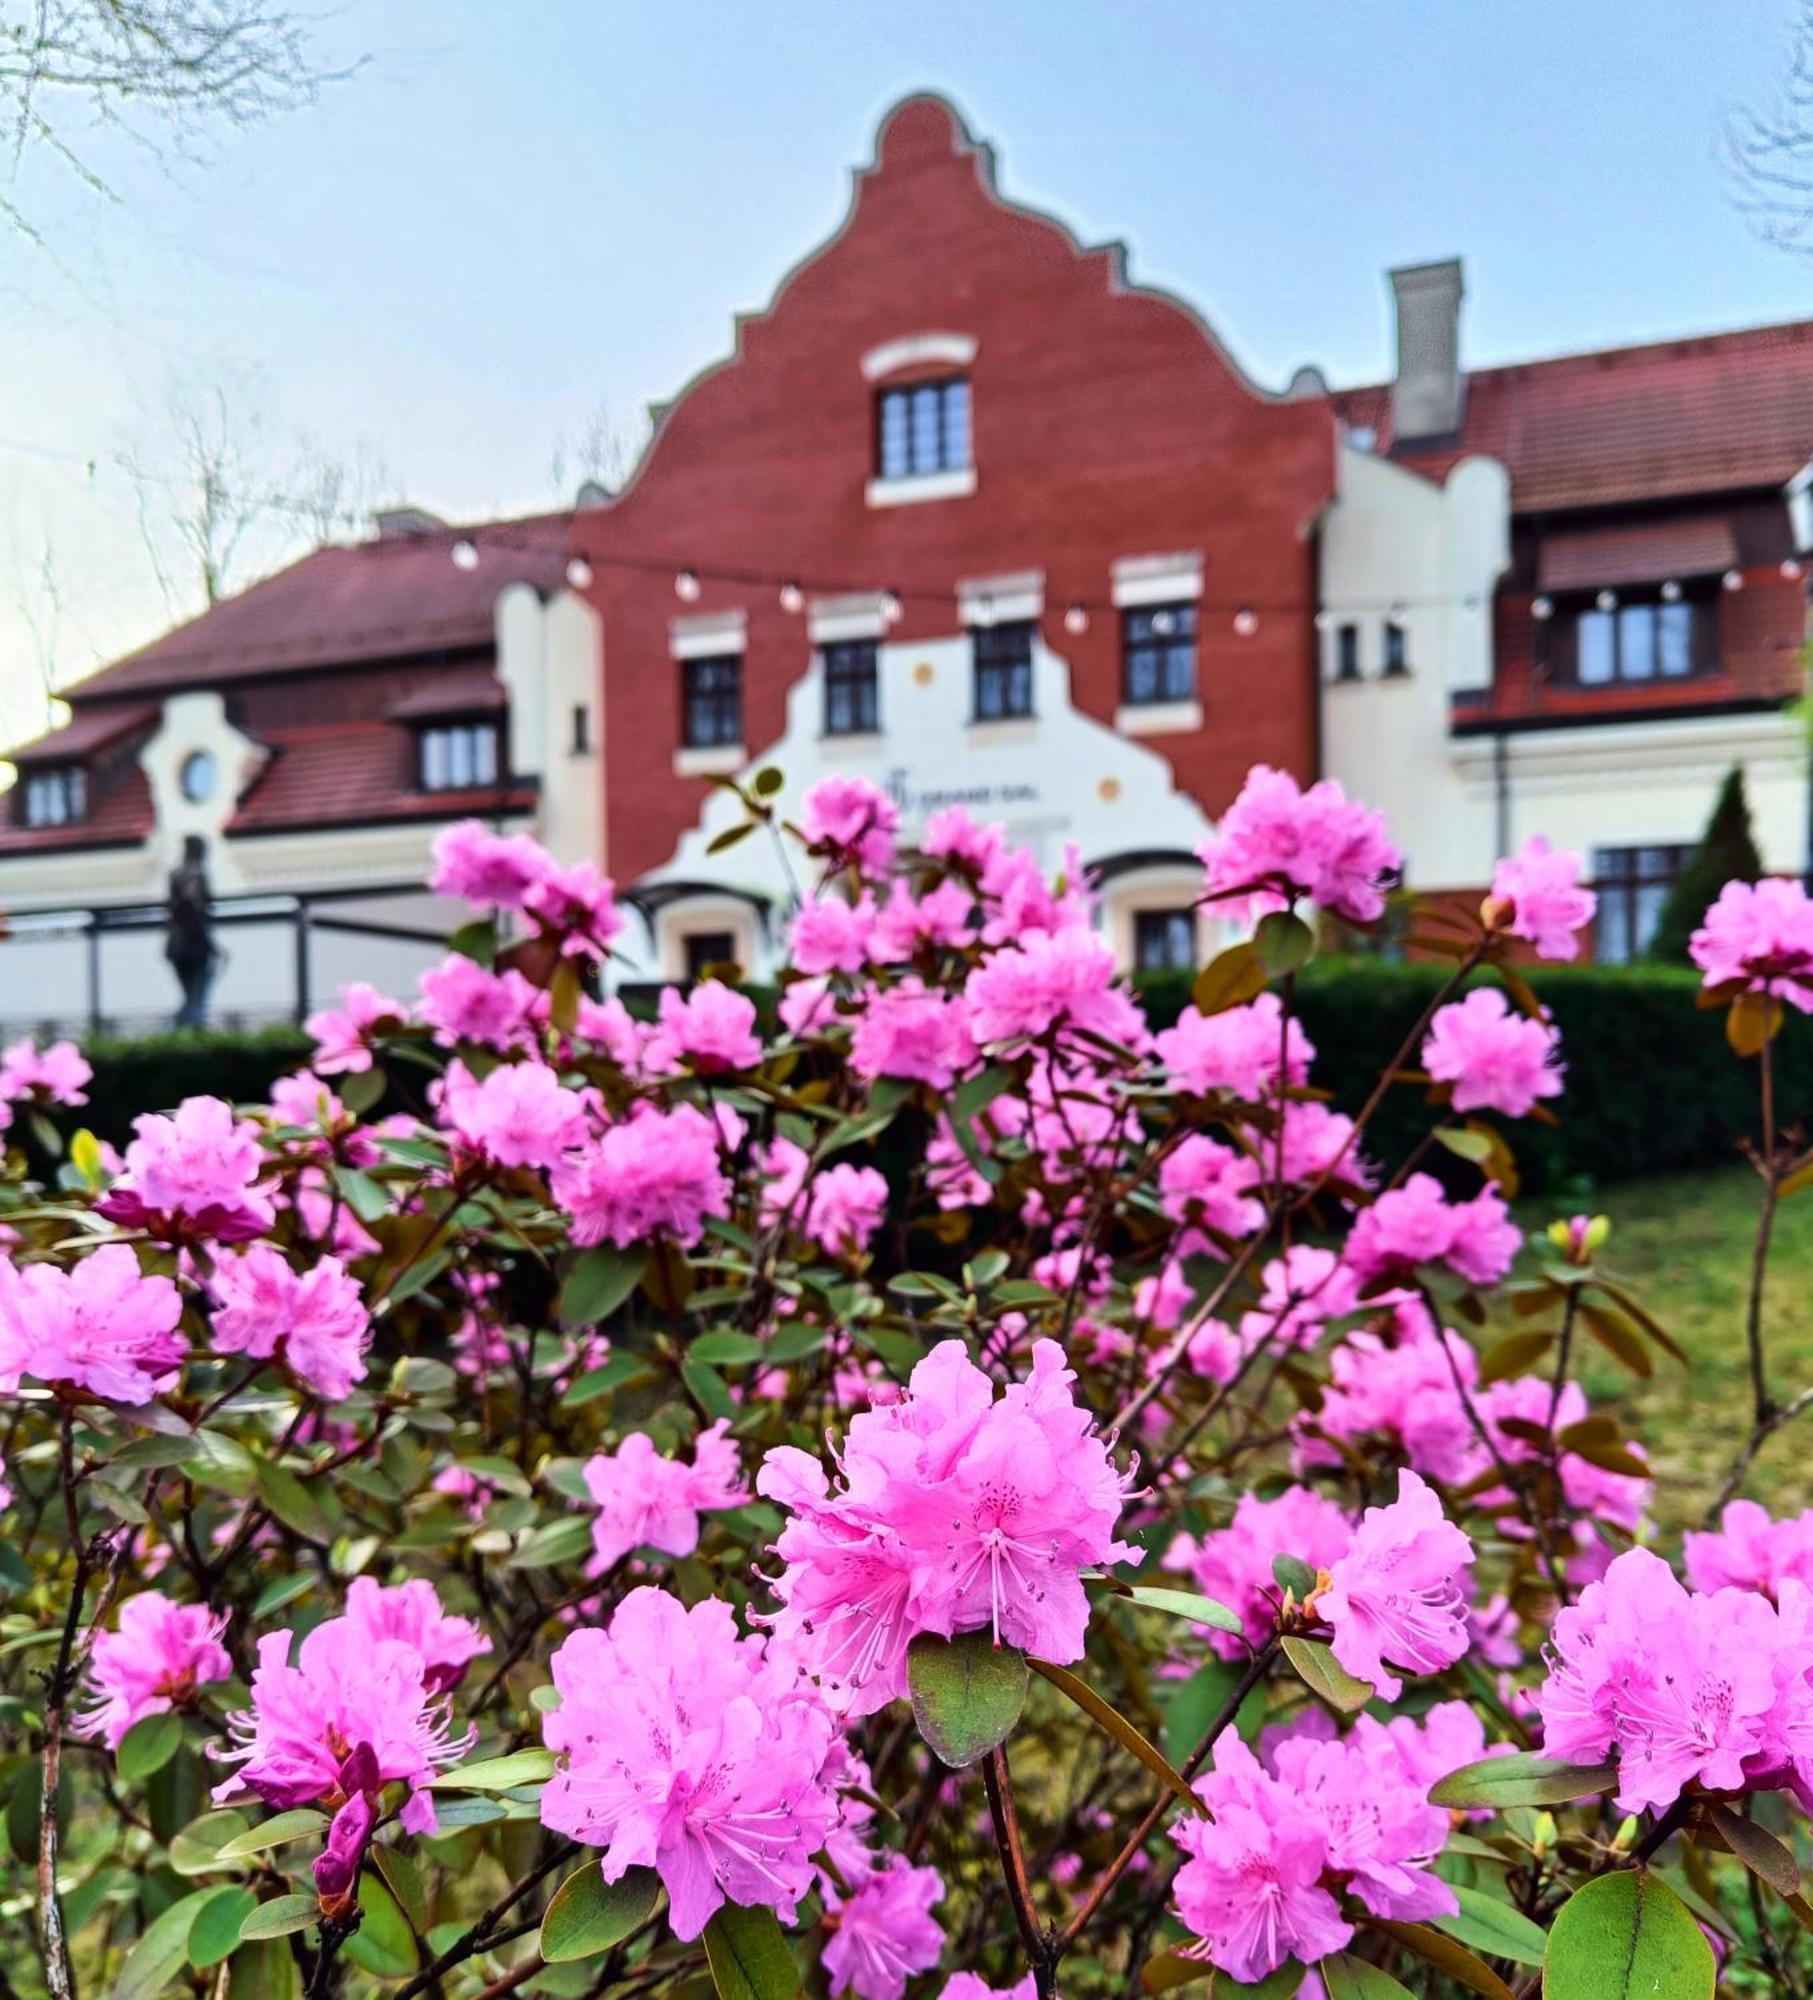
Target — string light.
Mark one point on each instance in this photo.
(1790, 569)
(1325, 621)
(464, 554)
(891, 607)
(982, 611)
(1246, 621)
(793, 599)
(1542, 607)
(686, 586)
(579, 573)
(1076, 621)
(1671, 592)
(1607, 600)
(1162, 624)
(1733, 579)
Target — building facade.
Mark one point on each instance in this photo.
(966, 512)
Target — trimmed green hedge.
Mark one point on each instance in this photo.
(1652, 1086)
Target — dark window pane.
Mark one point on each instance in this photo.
(1164, 940)
(712, 702)
(923, 429)
(1636, 642)
(1347, 653)
(1674, 639)
(852, 704)
(1158, 649)
(705, 949)
(1397, 649)
(1003, 670)
(1597, 638)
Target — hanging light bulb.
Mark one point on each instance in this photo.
(1607, 600)
(686, 586)
(1246, 621)
(1163, 624)
(890, 607)
(579, 573)
(792, 598)
(1542, 607)
(1076, 620)
(1790, 569)
(1325, 621)
(1733, 579)
(1671, 592)
(464, 554)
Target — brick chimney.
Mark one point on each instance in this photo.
(1429, 394)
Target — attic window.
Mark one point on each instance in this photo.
(456, 756)
(923, 429)
(57, 797)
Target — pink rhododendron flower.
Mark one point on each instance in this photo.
(951, 835)
(352, 1714)
(1237, 1050)
(968, 1986)
(645, 1499)
(884, 1930)
(102, 1326)
(1417, 1224)
(1536, 895)
(656, 1173)
(314, 1322)
(343, 1035)
(463, 1001)
(831, 935)
(1054, 981)
(687, 1749)
(807, 1007)
(844, 1209)
(1682, 1686)
(912, 1031)
(955, 1511)
(577, 906)
(1496, 1058)
(412, 1612)
(1299, 1293)
(495, 871)
(906, 923)
(1318, 1144)
(709, 1030)
(1233, 1565)
(1759, 936)
(520, 1115)
(1207, 1185)
(58, 1074)
(1396, 1594)
(160, 1653)
(192, 1175)
(1590, 1491)
(851, 822)
(1277, 842)
(1402, 1392)
(1751, 1551)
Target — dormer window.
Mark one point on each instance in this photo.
(923, 429)
(57, 797)
(458, 756)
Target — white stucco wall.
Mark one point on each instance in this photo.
(1053, 778)
(550, 658)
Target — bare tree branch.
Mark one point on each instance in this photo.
(1768, 152)
(601, 451)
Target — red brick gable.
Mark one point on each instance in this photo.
(1107, 423)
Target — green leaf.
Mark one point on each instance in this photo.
(1170, 1970)
(598, 1282)
(1491, 1926)
(1195, 1703)
(280, 1916)
(155, 1963)
(725, 1349)
(496, 1774)
(292, 1503)
(589, 1915)
(1230, 979)
(283, 1590)
(1292, 1573)
(1515, 1354)
(149, 1745)
(264, 1971)
(1116, 1724)
(1283, 942)
(1320, 1671)
(1191, 1604)
(707, 1388)
(748, 1955)
(967, 1693)
(1348, 1978)
(364, 1196)
(554, 1542)
(287, 1826)
(1757, 1849)
(215, 1931)
(1626, 1935)
(1522, 1779)
(383, 1944)
(1447, 1956)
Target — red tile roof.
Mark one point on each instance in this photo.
(1645, 552)
(1704, 415)
(121, 816)
(87, 730)
(454, 691)
(353, 773)
(386, 599)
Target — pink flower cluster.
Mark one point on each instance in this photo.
(1758, 938)
(1750, 1550)
(657, 1172)
(520, 1115)
(101, 1326)
(1536, 895)
(1417, 1224)
(576, 907)
(1495, 1058)
(851, 823)
(1240, 1050)
(1320, 1815)
(693, 1751)
(1277, 842)
(59, 1074)
(160, 1653)
(955, 1511)
(643, 1498)
(1686, 1687)
(313, 1322)
(1055, 982)
(192, 1175)
(360, 1707)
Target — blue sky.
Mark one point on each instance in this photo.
(514, 213)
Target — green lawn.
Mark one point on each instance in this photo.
(1684, 1244)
